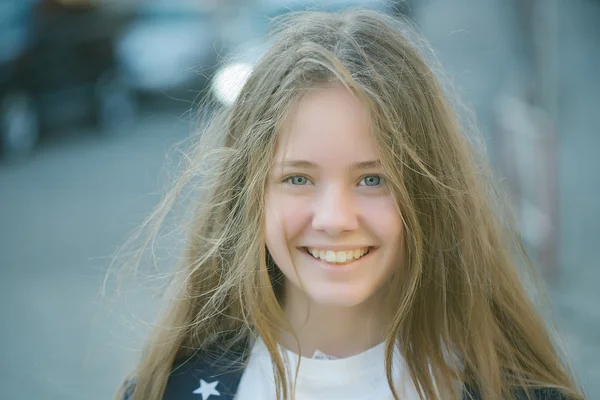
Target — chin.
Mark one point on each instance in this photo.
(338, 298)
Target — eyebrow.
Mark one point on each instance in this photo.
(372, 164)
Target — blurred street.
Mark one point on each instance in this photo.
(64, 212)
(472, 48)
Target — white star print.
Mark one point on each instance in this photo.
(207, 389)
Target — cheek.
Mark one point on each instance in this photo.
(285, 219)
(383, 219)
(287, 215)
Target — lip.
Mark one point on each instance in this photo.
(339, 268)
(337, 248)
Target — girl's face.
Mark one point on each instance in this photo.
(331, 225)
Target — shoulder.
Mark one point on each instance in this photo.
(127, 389)
(546, 394)
(534, 394)
(216, 369)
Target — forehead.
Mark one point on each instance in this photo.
(327, 124)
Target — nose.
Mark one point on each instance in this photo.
(335, 211)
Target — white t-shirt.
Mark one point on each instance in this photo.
(360, 377)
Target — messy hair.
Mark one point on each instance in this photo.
(458, 291)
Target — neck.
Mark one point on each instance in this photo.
(335, 330)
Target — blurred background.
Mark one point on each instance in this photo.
(95, 94)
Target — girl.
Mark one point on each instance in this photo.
(348, 246)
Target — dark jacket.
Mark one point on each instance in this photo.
(215, 374)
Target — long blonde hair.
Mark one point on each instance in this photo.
(458, 292)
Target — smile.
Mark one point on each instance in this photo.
(338, 257)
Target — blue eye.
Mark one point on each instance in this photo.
(297, 180)
(371, 180)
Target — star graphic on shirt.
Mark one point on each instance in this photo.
(207, 389)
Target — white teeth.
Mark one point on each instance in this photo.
(330, 256)
(338, 256)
